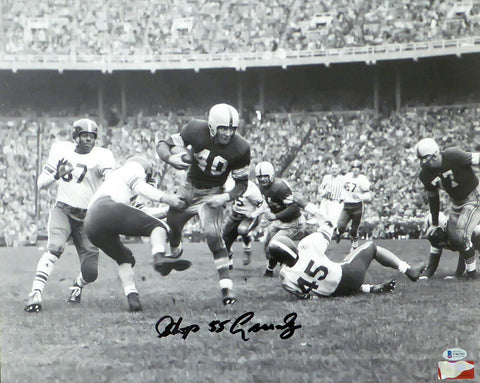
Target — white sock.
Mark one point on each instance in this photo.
(44, 269)
(365, 288)
(80, 281)
(127, 278)
(471, 265)
(158, 240)
(403, 267)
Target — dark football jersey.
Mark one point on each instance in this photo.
(212, 162)
(279, 196)
(455, 175)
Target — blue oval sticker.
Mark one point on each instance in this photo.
(454, 354)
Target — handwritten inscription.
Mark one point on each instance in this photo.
(242, 326)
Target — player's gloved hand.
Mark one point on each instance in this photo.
(63, 168)
(174, 201)
(218, 200)
(177, 161)
(327, 195)
(270, 216)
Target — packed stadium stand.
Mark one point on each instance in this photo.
(331, 120)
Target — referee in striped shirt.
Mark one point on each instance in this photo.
(332, 193)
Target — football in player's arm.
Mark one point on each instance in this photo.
(216, 151)
(112, 213)
(285, 209)
(307, 271)
(452, 171)
(77, 168)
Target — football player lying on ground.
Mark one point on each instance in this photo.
(308, 272)
(111, 214)
(440, 237)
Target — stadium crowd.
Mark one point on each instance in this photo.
(301, 150)
(203, 26)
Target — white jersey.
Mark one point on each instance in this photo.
(355, 186)
(334, 186)
(120, 184)
(77, 188)
(314, 273)
(248, 201)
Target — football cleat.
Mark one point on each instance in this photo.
(383, 287)
(471, 275)
(414, 272)
(34, 302)
(354, 245)
(268, 273)
(176, 252)
(75, 293)
(164, 265)
(247, 256)
(337, 235)
(134, 303)
(228, 298)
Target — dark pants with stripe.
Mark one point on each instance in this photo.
(106, 220)
(354, 269)
(351, 212)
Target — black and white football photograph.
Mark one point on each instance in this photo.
(202, 191)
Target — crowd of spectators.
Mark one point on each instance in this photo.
(300, 146)
(158, 27)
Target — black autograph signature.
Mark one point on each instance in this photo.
(242, 326)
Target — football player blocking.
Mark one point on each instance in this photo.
(112, 213)
(243, 219)
(217, 150)
(308, 271)
(77, 168)
(285, 211)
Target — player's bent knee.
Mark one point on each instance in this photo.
(215, 242)
(89, 273)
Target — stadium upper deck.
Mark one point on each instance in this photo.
(153, 35)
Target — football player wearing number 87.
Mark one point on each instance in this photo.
(77, 168)
(308, 272)
(217, 150)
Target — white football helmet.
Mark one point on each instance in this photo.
(426, 147)
(147, 165)
(222, 115)
(263, 169)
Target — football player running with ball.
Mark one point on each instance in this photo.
(285, 212)
(112, 213)
(217, 150)
(308, 272)
(78, 168)
(452, 171)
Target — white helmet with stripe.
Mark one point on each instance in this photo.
(222, 115)
(263, 169)
(426, 147)
(283, 250)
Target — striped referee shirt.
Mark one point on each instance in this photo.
(332, 187)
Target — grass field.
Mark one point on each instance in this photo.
(396, 337)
